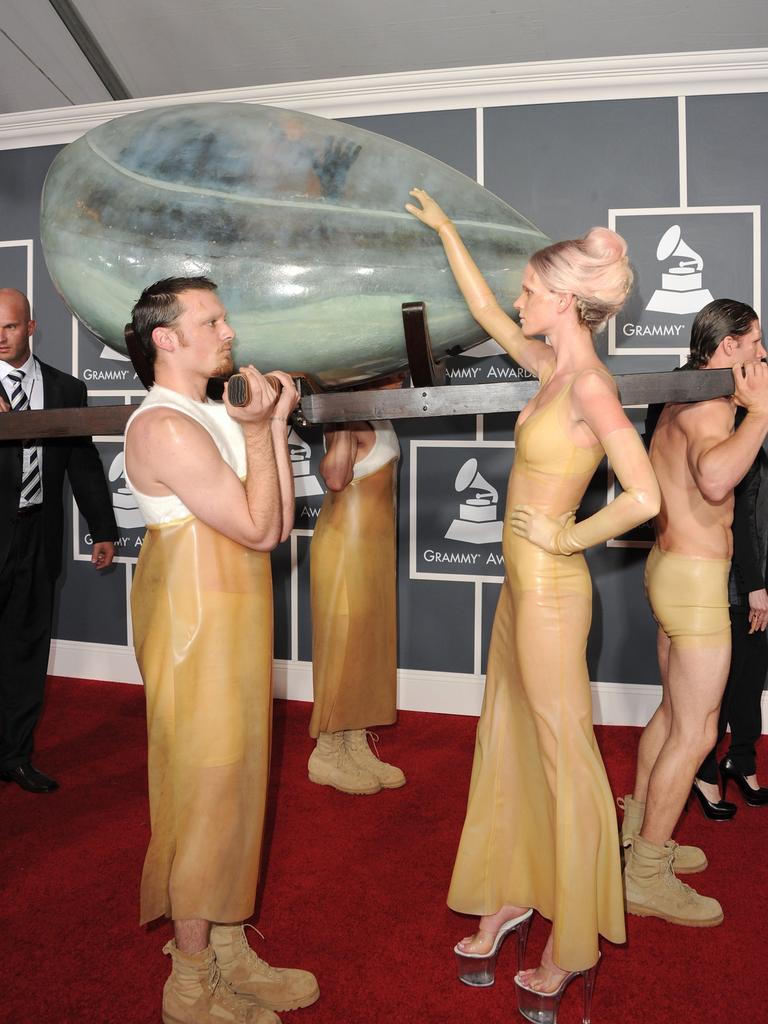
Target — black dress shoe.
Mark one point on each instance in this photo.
(29, 778)
(720, 811)
(754, 797)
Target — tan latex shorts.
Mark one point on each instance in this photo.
(689, 597)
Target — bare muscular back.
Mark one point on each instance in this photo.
(688, 522)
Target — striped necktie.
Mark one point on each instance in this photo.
(31, 480)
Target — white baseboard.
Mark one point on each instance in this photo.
(93, 661)
(446, 693)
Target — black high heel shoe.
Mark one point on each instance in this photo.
(721, 811)
(753, 797)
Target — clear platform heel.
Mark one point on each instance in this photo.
(479, 969)
(542, 1007)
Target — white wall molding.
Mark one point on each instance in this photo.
(597, 78)
(93, 661)
(447, 693)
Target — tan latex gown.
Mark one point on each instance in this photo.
(202, 627)
(354, 615)
(540, 829)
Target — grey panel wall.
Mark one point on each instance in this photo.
(728, 155)
(567, 167)
(90, 607)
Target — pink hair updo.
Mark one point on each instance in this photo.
(594, 269)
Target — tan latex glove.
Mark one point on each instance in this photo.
(531, 354)
(540, 529)
(473, 285)
(638, 502)
(430, 212)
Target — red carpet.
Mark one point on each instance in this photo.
(353, 887)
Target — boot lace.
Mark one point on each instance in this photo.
(224, 995)
(253, 956)
(346, 762)
(673, 882)
(360, 744)
(374, 741)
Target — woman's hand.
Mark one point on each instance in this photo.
(758, 610)
(540, 529)
(429, 212)
(530, 354)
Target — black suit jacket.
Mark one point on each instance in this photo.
(750, 533)
(75, 456)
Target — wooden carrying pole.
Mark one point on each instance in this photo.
(428, 396)
(82, 422)
(408, 403)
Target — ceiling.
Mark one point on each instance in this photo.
(165, 47)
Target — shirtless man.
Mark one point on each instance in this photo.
(698, 458)
(215, 487)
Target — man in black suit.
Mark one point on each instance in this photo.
(748, 601)
(31, 533)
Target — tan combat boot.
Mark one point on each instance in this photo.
(652, 890)
(196, 993)
(689, 860)
(356, 742)
(330, 764)
(276, 988)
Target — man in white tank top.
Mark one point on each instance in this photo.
(216, 488)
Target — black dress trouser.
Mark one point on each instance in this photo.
(26, 601)
(741, 701)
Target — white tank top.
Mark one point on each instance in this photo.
(385, 448)
(227, 435)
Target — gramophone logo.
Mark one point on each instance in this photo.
(681, 289)
(456, 512)
(304, 481)
(478, 521)
(127, 511)
(681, 258)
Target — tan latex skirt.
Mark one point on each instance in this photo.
(202, 627)
(354, 624)
(540, 829)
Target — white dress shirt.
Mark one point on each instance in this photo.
(33, 388)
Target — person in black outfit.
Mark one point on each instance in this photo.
(31, 533)
(748, 600)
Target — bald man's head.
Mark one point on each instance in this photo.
(16, 326)
(14, 295)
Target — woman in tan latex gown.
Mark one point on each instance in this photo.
(540, 829)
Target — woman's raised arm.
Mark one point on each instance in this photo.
(529, 353)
